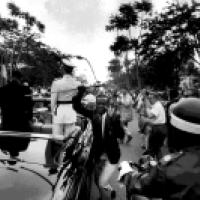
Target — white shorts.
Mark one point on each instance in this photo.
(65, 114)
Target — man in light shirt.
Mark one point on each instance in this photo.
(157, 112)
(155, 119)
(62, 91)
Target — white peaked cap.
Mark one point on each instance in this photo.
(125, 168)
(68, 63)
(89, 99)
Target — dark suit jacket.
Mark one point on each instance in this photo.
(102, 143)
(16, 107)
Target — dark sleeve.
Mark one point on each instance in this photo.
(28, 103)
(1, 95)
(79, 108)
(117, 126)
(151, 184)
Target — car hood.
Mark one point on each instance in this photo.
(25, 165)
(24, 183)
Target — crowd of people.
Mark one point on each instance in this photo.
(175, 175)
(170, 129)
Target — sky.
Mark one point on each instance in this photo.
(78, 27)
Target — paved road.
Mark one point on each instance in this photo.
(132, 152)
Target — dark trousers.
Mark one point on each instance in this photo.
(156, 139)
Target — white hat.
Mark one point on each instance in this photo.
(89, 99)
(101, 91)
(185, 115)
(125, 168)
(68, 63)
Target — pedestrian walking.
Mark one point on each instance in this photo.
(155, 123)
(125, 102)
(142, 103)
(62, 91)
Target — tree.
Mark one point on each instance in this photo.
(129, 17)
(165, 43)
(47, 65)
(170, 41)
(21, 48)
(23, 37)
(114, 66)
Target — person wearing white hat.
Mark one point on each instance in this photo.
(89, 101)
(107, 128)
(177, 175)
(62, 91)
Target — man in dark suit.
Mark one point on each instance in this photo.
(16, 105)
(107, 129)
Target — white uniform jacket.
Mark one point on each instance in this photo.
(62, 91)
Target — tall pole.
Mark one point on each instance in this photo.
(90, 65)
(91, 69)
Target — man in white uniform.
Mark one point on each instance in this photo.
(62, 91)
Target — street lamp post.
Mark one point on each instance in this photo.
(88, 62)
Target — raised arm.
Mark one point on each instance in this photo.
(78, 106)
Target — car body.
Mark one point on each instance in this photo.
(31, 167)
(26, 161)
(35, 166)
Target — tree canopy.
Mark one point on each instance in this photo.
(165, 43)
(127, 22)
(21, 48)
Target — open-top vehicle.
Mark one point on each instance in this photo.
(34, 166)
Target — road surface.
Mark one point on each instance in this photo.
(131, 152)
